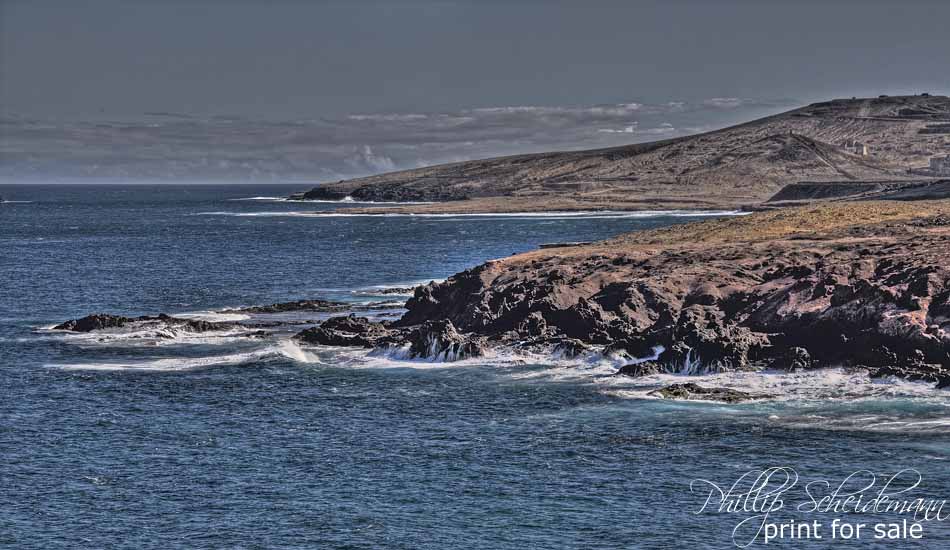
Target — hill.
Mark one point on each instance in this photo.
(860, 140)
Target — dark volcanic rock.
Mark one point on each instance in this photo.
(323, 306)
(436, 340)
(794, 358)
(381, 193)
(439, 340)
(389, 291)
(191, 325)
(690, 391)
(631, 348)
(876, 295)
(645, 368)
(348, 331)
(322, 193)
(101, 321)
(396, 290)
(96, 321)
(706, 335)
(569, 348)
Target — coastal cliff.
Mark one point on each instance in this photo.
(854, 284)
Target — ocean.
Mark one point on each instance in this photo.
(129, 439)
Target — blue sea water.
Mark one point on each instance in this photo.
(222, 441)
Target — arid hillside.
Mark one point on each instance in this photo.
(861, 140)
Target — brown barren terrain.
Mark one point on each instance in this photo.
(864, 285)
(738, 166)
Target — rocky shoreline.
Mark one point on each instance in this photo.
(861, 285)
(864, 285)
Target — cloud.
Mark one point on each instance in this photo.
(664, 128)
(632, 129)
(723, 102)
(366, 160)
(177, 146)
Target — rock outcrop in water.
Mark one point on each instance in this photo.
(349, 331)
(434, 340)
(854, 284)
(690, 391)
(96, 321)
(103, 321)
(439, 340)
(320, 306)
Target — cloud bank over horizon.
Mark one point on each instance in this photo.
(165, 146)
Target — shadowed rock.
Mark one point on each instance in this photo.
(646, 368)
(795, 358)
(435, 340)
(324, 306)
(102, 321)
(837, 284)
(350, 331)
(96, 321)
(438, 340)
(569, 348)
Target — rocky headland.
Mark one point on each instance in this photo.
(863, 285)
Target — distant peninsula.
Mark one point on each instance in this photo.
(832, 150)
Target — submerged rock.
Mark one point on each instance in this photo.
(691, 391)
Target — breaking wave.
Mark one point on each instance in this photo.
(350, 200)
(818, 384)
(170, 364)
(145, 334)
(213, 316)
(827, 399)
(386, 289)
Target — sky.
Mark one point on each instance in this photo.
(331, 89)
